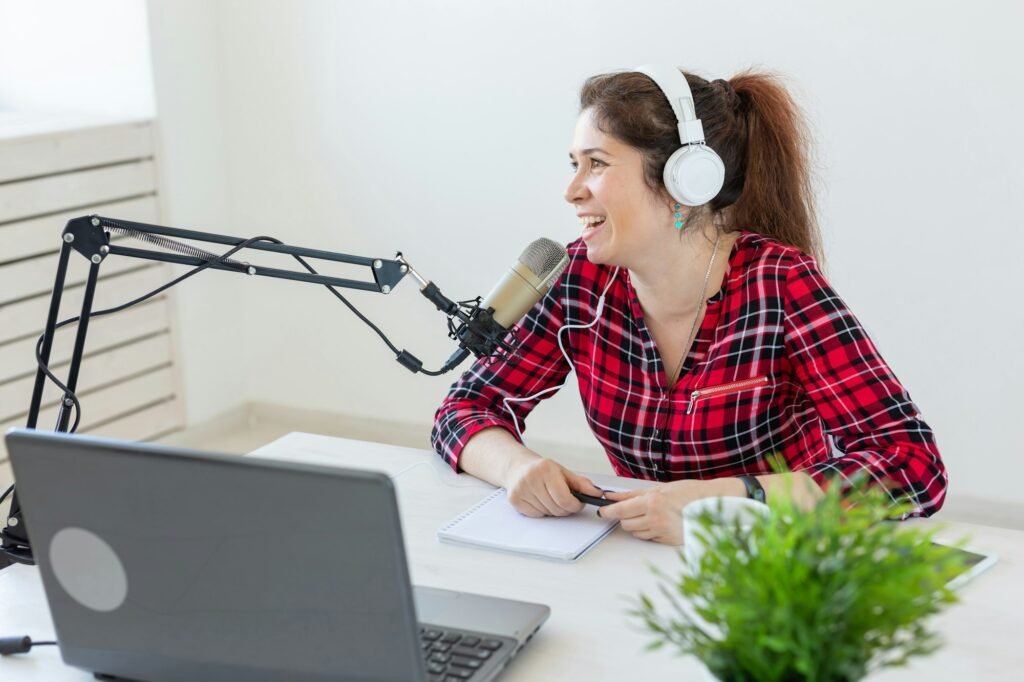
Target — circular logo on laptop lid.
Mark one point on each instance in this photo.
(88, 569)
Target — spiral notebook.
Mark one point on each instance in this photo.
(494, 524)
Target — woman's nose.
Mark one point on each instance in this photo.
(575, 191)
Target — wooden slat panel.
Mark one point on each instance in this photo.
(30, 198)
(36, 275)
(27, 318)
(96, 371)
(112, 402)
(30, 156)
(42, 235)
(145, 424)
(48, 175)
(19, 357)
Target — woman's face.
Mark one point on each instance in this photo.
(623, 221)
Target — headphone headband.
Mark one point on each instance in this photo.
(677, 91)
(694, 174)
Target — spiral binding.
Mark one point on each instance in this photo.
(472, 510)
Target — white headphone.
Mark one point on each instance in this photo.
(694, 174)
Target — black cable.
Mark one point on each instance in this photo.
(19, 645)
(6, 493)
(68, 393)
(371, 325)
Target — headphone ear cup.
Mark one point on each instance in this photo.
(694, 175)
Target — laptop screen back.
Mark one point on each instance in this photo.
(165, 564)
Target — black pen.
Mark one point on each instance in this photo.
(590, 499)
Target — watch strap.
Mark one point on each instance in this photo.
(755, 491)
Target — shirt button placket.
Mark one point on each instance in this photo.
(659, 432)
(658, 426)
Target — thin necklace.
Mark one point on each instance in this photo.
(701, 302)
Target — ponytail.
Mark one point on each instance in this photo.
(777, 199)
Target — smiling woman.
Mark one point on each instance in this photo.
(703, 335)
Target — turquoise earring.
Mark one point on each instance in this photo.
(679, 217)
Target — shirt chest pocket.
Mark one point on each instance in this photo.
(710, 396)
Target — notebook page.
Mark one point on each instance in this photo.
(493, 523)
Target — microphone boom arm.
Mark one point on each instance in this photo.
(90, 236)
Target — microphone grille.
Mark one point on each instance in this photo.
(545, 257)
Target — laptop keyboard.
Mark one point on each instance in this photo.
(454, 656)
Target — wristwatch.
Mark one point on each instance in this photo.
(755, 491)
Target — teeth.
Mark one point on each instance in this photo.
(590, 219)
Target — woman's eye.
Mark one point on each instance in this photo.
(593, 162)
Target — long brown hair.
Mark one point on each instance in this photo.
(750, 121)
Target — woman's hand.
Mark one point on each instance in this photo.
(657, 513)
(541, 487)
(536, 486)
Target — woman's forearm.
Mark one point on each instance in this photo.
(491, 453)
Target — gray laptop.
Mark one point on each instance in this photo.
(164, 564)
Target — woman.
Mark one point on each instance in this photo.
(704, 338)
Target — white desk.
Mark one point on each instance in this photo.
(589, 636)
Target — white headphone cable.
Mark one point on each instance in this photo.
(561, 347)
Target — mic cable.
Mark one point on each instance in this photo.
(20, 645)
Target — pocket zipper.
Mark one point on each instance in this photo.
(723, 388)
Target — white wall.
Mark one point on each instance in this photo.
(187, 72)
(441, 129)
(78, 56)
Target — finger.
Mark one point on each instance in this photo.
(646, 535)
(619, 495)
(527, 509)
(542, 501)
(668, 540)
(627, 509)
(640, 523)
(584, 485)
(558, 491)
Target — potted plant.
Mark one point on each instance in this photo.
(826, 595)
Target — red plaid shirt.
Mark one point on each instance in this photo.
(779, 365)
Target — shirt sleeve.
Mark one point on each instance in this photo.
(874, 424)
(478, 399)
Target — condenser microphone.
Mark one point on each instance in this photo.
(523, 284)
